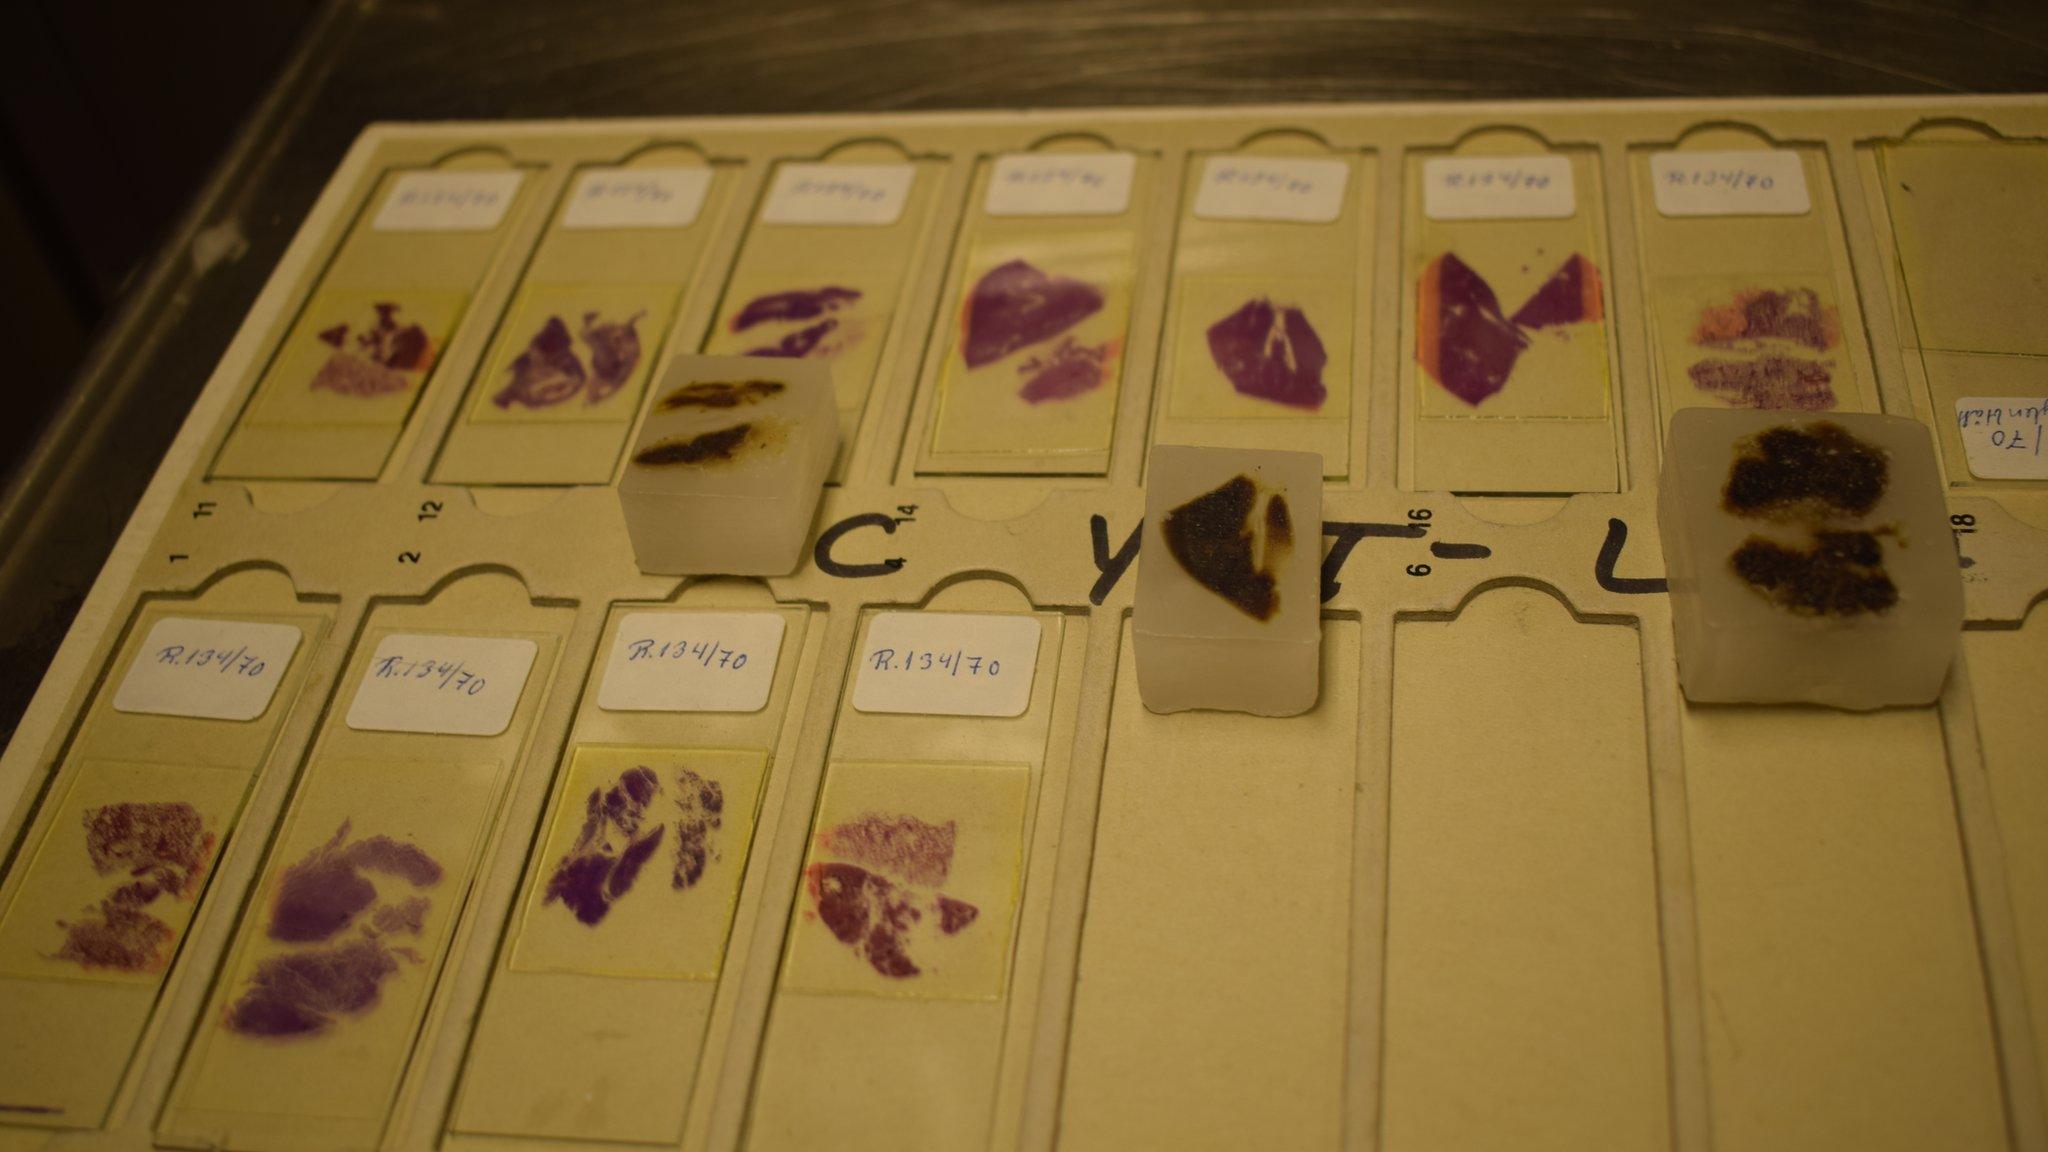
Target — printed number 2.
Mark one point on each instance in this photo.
(408, 557)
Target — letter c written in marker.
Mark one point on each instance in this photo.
(821, 554)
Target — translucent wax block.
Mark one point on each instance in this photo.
(1810, 559)
(1229, 601)
(730, 462)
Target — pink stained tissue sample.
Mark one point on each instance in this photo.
(550, 371)
(381, 359)
(623, 827)
(821, 330)
(883, 892)
(1015, 306)
(158, 850)
(1768, 339)
(1271, 352)
(332, 901)
(1466, 343)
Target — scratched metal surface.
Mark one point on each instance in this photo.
(369, 60)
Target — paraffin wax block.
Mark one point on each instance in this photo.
(729, 465)
(1229, 604)
(1810, 559)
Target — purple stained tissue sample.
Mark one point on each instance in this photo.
(550, 371)
(320, 901)
(623, 827)
(159, 850)
(1014, 306)
(796, 306)
(875, 899)
(1465, 342)
(1271, 352)
(379, 360)
(793, 305)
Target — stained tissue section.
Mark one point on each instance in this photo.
(624, 824)
(822, 331)
(1211, 537)
(330, 901)
(1468, 345)
(700, 811)
(615, 843)
(157, 850)
(1821, 481)
(882, 894)
(1015, 306)
(712, 394)
(379, 358)
(1776, 331)
(1842, 574)
(550, 371)
(715, 447)
(1271, 352)
(1777, 382)
(1805, 472)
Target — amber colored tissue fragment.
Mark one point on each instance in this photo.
(1841, 575)
(917, 851)
(796, 304)
(1570, 296)
(1759, 314)
(876, 903)
(719, 394)
(1271, 352)
(1014, 305)
(382, 356)
(1211, 537)
(709, 447)
(162, 849)
(1807, 472)
(317, 898)
(1462, 340)
(1771, 382)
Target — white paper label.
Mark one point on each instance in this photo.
(637, 198)
(1060, 184)
(861, 194)
(1498, 188)
(447, 201)
(691, 662)
(947, 664)
(1756, 183)
(2002, 436)
(449, 685)
(208, 669)
(1272, 188)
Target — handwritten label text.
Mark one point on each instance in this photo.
(1498, 188)
(207, 668)
(871, 195)
(1765, 182)
(2002, 436)
(947, 664)
(1060, 184)
(1272, 188)
(447, 202)
(451, 685)
(682, 661)
(637, 198)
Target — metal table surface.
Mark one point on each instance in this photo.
(369, 60)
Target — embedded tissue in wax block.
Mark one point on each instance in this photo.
(1229, 605)
(1810, 559)
(729, 465)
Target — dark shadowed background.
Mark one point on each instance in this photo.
(155, 160)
